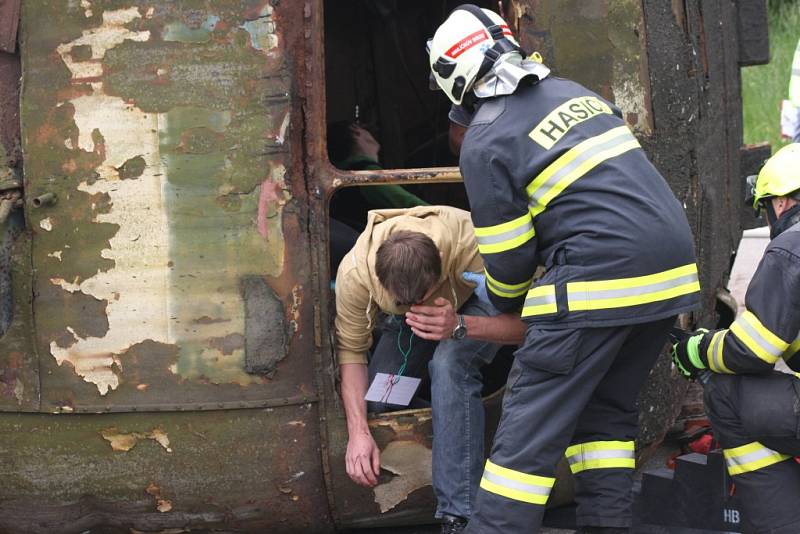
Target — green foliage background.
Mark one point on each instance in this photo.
(764, 86)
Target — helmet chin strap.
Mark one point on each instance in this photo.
(778, 225)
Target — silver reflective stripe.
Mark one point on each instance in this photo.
(716, 353)
(599, 294)
(497, 290)
(515, 484)
(564, 171)
(765, 345)
(751, 457)
(795, 72)
(505, 236)
(538, 301)
(600, 455)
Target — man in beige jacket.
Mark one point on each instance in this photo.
(410, 264)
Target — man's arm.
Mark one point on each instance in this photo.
(362, 460)
(768, 328)
(438, 322)
(503, 226)
(353, 339)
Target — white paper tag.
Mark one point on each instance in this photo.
(392, 389)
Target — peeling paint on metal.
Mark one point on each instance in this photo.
(46, 224)
(273, 196)
(180, 32)
(297, 300)
(281, 137)
(56, 255)
(123, 442)
(162, 505)
(150, 164)
(410, 462)
(262, 30)
(87, 8)
(110, 34)
(128, 135)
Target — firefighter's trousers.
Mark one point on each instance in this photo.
(755, 418)
(570, 392)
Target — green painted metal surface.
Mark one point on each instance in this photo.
(151, 472)
(599, 44)
(164, 132)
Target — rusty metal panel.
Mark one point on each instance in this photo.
(9, 21)
(601, 45)
(154, 472)
(19, 364)
(166, 131)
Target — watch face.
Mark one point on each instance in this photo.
(460, 332)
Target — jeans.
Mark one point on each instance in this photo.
(454, 368)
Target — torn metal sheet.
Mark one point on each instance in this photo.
(410, 462)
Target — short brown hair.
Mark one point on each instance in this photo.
(408, 265)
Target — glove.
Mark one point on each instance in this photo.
(479, 279)
(686, 352)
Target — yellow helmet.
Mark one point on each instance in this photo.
(779, 177)
(465, 47)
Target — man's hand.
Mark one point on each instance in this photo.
(363, 459)
(686, 356)
(364, 144)
(435, 322)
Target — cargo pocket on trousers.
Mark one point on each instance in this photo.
(553, 351)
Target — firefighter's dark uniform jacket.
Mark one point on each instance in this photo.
(556, 178)
(752, 408)
(769, 329)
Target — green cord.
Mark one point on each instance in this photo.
(405, 353)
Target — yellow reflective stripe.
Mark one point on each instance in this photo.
(575, 163)
(504, 290)
(516, 485)
(792, 350)
(540, 300)
(714, 353)
(605, 294)
(601, 455)
(505, 236)
(751, 457)
(755, 336)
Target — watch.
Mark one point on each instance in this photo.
(460, 331)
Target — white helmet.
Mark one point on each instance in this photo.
(466, 46)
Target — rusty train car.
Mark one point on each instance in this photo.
(165, 302)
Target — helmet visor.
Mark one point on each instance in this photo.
(750, 197)
(432, 85)
(750, 190)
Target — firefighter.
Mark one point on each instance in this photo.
(555, 177)
(753, 409)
